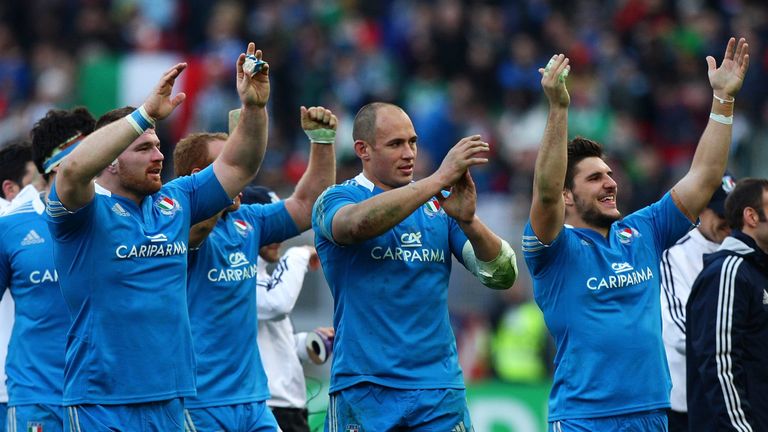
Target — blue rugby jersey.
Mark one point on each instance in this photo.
(390, 296)
(35, 363)
(600, 298)
(222, 304)
(122, 270)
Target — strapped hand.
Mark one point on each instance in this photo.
(253, 88)
(553, 78)
(319, 124)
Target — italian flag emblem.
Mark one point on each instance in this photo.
(432, 207)
(166, 204)
(241, 225)
(34, 427)
(625, 234)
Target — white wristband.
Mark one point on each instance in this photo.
(723, 101)
(726, 120)
(140, 120)
(321, 136)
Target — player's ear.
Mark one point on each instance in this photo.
(362, 150)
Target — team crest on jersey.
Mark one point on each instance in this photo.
(167, 206)
(627, 234)
(34, 427)
(242, 227)
(353, 428)
(432, 207)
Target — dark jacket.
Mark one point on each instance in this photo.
(727, 340)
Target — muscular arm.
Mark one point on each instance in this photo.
(74, 179)
(547, 206)
(695, 189)
(320, 173)
(359, 222)
(243, 151)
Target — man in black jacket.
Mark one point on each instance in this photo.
(727, 326)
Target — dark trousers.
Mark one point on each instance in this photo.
(291, 419)
(678, 421)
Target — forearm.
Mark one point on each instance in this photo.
(485, 243)
(244, 150)
(377, 215)
(552, 159)
(709, 162)
(320, 174)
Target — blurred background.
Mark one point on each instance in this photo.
(638, 85)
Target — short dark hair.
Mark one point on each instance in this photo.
(192, 152)
(13, 162)
(748, 192)
(579, 149)
(113, 116)
(364, 126)
(55, 128)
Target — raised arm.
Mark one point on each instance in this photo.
(74, 179)
(547, 206)
(243, 151)
(695, 189)
(320, 125)
(356, 223)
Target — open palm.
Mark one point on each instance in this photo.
(729, 77)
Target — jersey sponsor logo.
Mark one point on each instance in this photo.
(119, 210)
(43, 276)
(158, 247)
(239, 269)
(237, 259)
(409, 250)
(32, 238)
(625, 276)
(167, 206)
(242, 227)
(410, 240)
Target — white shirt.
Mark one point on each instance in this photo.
(680, 265)
(279, 347)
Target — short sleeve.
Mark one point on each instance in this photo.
(538, 255)
(63, 222)
(326, 206)
(273, 221)
(206, 195)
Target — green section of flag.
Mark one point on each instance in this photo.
(98, 84)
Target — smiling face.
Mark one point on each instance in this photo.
(138, 167)
(591, 203)
(389, 160)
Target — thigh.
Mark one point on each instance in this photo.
(35, 418)
(257, 417)
(438, 410)
(365, 408)
(291, 419)
(161, 416)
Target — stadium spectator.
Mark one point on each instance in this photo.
(121, 252)
(385, 243)
(727, 322)
(596, 273)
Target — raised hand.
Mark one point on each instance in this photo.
(462, 201)
(727, 79)
(313, 118)
(553, 78)
(462, 156)
(159, 104)
(253, 88)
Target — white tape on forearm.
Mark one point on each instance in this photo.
(321, 136)
(500, 273)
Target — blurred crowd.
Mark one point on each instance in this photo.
(638, 82)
